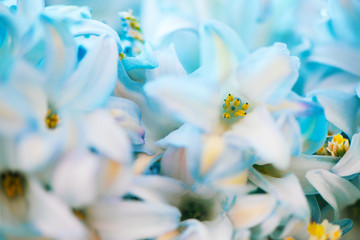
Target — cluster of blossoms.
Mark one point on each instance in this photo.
(180, 119)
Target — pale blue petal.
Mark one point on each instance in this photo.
(349, 164)
(340, 108)
(287, 190)
(132, 219)
(127, 114)
(103, 134)
(268, 74)
(95, 78)
(313, 125)
(337, 55)
(66, 11)
(30, 9)
(158, 189)
(291, 130)
(52, 217)
(260, 131)
(248, 211)
(221, 50)
(60, 57)
(302, 164)
(187, 99)
(344, 19)
(75, 178)
(337, 191)
(187, 47)
(90, 27)
(146, 59)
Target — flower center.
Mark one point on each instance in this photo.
(52, 119)
(13, 183)
(338, 146)
(192, 207)
(324, 231)
(234, 107)
(131, 35)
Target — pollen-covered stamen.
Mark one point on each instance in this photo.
(233, 107)
(52, 119)
(13, 183)
(338, 146)
(324, 231)
(131, 35)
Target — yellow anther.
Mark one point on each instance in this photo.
(324, 231)
(245, 106)
(52, 119)
(239, 113)
(122, 56)
(237, 102)
(338, 146)
(336, 235)
(226, 115)
(230, 97)
(316, 229)
(339, 139)
(12, 184)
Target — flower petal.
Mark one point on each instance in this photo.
(260, 131)
(349, 164)
(122, 220)
(268, 74)
(340, 108)
(338, 192)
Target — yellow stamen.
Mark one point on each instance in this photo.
(12, 183)
(239, 113)
(316, 230)
(52, 119)
(226, 115)
(122, 56)
(245, 106)
(237, 102)
(233, 108)
(338, 146)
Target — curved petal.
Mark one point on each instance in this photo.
(75, 178)
(248, 211)
(345, 20)
(95, 77)
(52, 217)
(337, 55)
(60, 54)
(337, 191)
(340, 108)
(127, 114)
(302, 164)
(30, 9)
(260, 131)
(107, 137)
(132, 219)
(349, 164)
(145, 60)
(287, 191)
(187, 99)
(158, 189)
(221, 50)
(268, 74)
